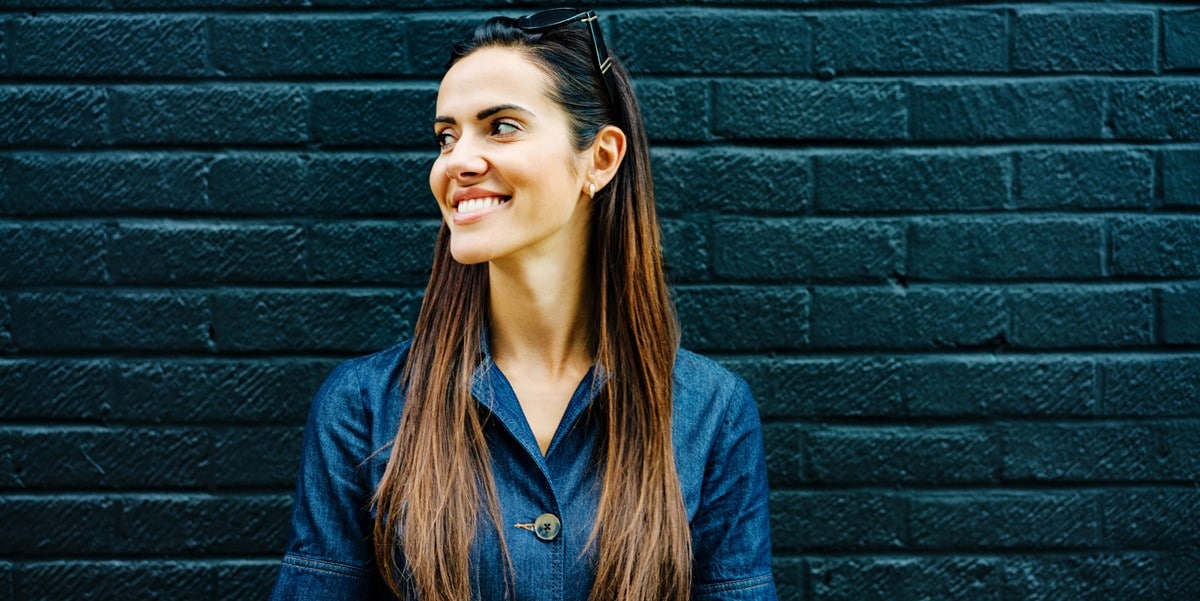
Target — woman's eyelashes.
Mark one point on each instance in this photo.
(500, 128)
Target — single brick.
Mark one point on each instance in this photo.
(1084, 41)
(1066, 317)
(1080, 576)
(1006, 110)
(7, 344)
(1180, 574)
(1085, 179)
(342, 184)
(1155, 110)
(743, 318)
(1011, 387)
(903, 455)
(1181, 178)
(1156, 246)
(389, 116)
(295, 320)
(816, 388)
(891, 578)
(52, 254)
(731, 180)
(1180, 451)
(178, 252)
(89, 457)
(111, 320)
(1080, 452)
(735, 42)
(790, 576)
(110, 46)
(808, 249)
(1180, 315)
(53, 116)
(807, 110)
(244, 578)
(685, 250)
(431, 37)
(216, 115)
(808, 521)
(308, 45)
(1181, 32)
(784, 446)
(255, 456)
(912, 181)
(894, 318)
(1153, 386)
(675, 110)
(239, 391)
(58, 525)
(125, 579)
(924, 41)
(1152, 518)
(1003, 249)
(372, 252)
(227, 524)
(59, 390)
(107, 183)
(996, 520)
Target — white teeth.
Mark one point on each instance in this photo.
(478, 204)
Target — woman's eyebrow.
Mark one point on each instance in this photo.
(488, 112)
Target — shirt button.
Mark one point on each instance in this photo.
(547, 526)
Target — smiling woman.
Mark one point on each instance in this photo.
(542, 436)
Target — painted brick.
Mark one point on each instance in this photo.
(373, 252)
(1080, 452)
(252, 456)
(1009, 387)
(1180, 451)
(977, 521)
(890, 578)
(295, 320)
(6, 580)
(675, 111)
(892, 318)
(1062, 317)
(226, 114)
(1084, 40)
(1181, 178)
(1181, 33)
(53, 116)
(105, 458)
(836, 521)
(808, 249)
(1155, 110)
(7, 344)
(665, 42)
(912, 181)
(110, 320)
(815, 388)
(430, 39)
(806, 110)
(784, 446)
(790, 577)
(192, 3)
(1085, 179)
(106, 183)
(203, 524)
(51, 254)
(109, 46)
(58, 525)
(391, 116)
(244, 579)
(175, 252)
(1180, 573)
(685, 250)
(1156, 246)
(1004, 249)
(1180, 315)
(1006, 110)
(58, 390)
(1151, 386)
(1087, 576)
(272, 46)
(1152, 518)
(905, 455)
(727, 318)
(127, 579)
(908, 42)
(731, 180)
(342, 184)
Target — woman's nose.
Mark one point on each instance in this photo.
(465, 160)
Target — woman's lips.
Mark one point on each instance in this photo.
(470, 210)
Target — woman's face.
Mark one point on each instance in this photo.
(507, 179)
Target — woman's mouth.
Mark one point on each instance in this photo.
(478, 204)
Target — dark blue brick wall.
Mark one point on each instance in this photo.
(953, 246)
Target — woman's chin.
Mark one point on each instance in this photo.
(469, 254)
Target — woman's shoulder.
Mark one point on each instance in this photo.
(702, 382)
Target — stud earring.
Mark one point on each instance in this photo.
(592, 190)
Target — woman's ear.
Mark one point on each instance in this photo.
(608, 150)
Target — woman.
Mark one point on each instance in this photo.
(541, 436)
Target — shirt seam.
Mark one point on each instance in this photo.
(739, 584)
(322, 565)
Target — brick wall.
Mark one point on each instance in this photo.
(954, 247)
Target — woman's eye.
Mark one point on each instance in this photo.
(444, 139)
(503, 128)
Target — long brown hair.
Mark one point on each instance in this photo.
(439, 470)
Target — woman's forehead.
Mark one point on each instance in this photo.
(491, 77)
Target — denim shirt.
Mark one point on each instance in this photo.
(718, 454)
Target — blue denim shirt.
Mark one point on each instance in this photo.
(719, 458)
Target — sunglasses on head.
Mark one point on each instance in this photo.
(558, 17)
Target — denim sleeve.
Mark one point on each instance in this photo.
(731, 530)
(329, 554)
